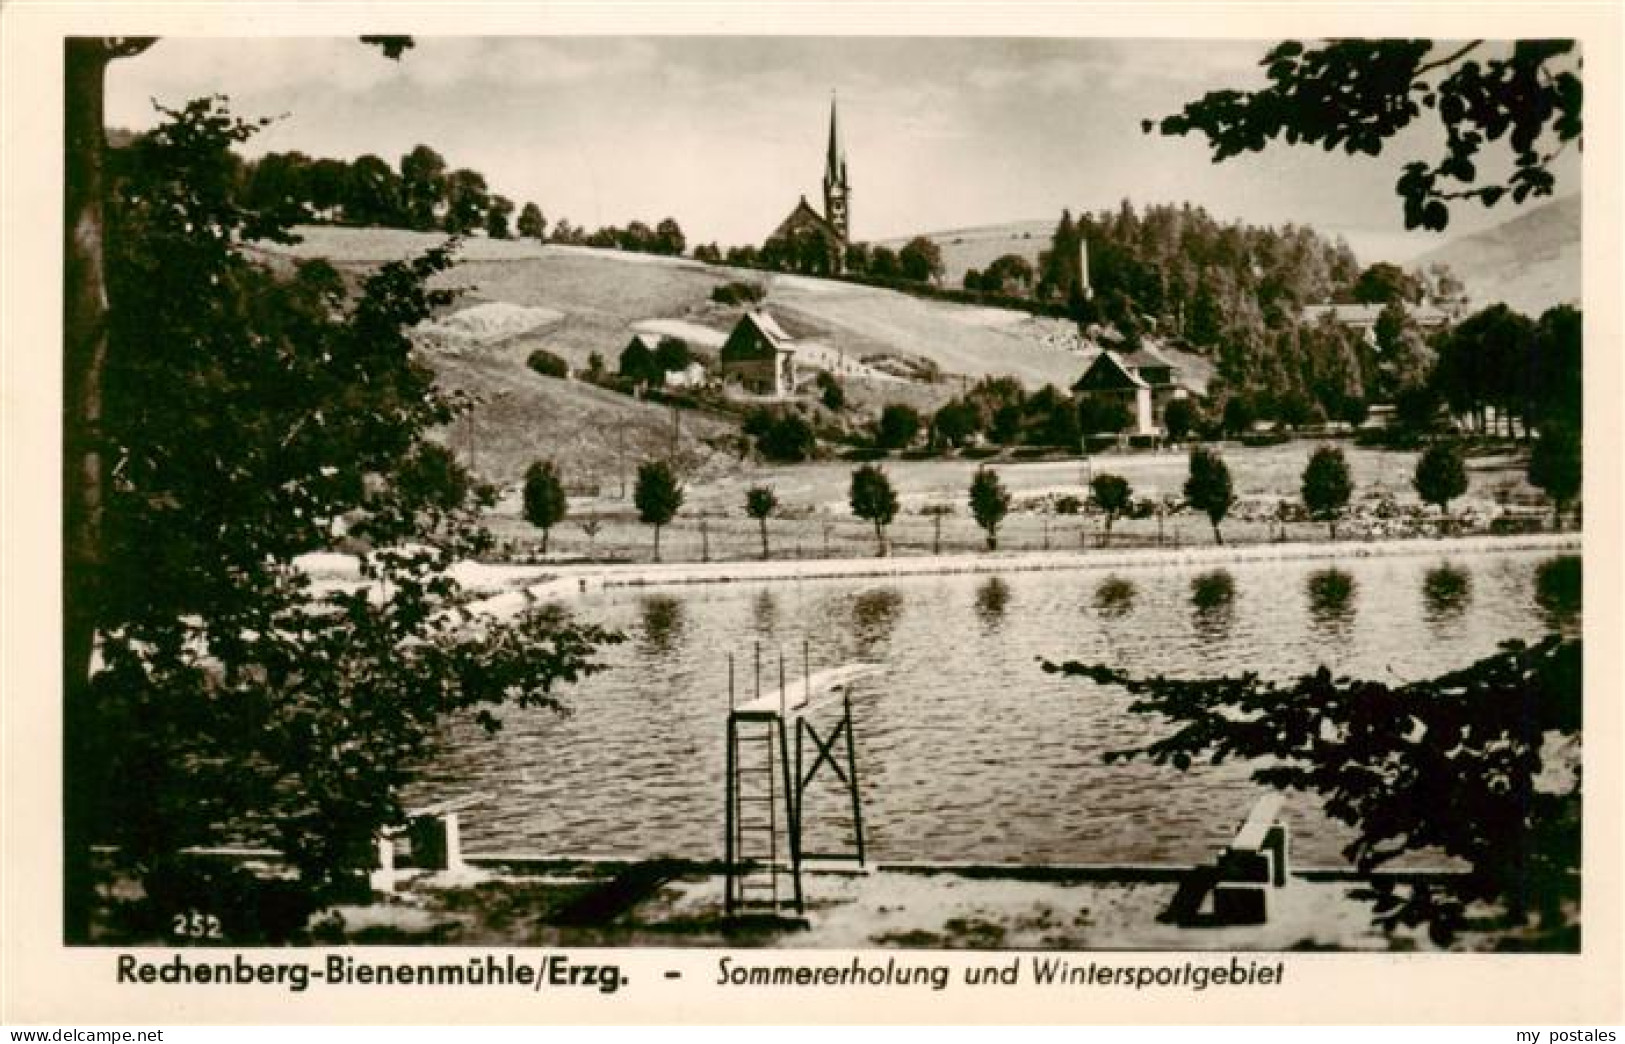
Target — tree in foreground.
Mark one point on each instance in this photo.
(1327, 486)
(658, 495)
(1555, 467)
(545, 502)
(1480, 764)
(248, 410)
(760, 503)
(1208, 488)
(873, 500)
(1110, 494)
(989, 503)
(1357, 94)
(1441, 475)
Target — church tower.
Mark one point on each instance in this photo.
(837, 191)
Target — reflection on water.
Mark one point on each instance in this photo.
(966, 750)
(1558, 591)
(991, 600)
(1331, 601)
(1213, 596)
(1446, 592)
(874, 618)
(663, 624)
(765, 611)
(1114, 598)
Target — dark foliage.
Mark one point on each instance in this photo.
(898, 425)
(251, 418)
(1208, 488)
(1355, 95)
(873, 499)
(989, 503)
(1458, 765)
(547, 364)
(1111, 494)
(1327, 486)
(787, 438)
(658, 495)
(1441, 474)
(545, 502)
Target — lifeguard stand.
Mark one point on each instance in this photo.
(762, 779)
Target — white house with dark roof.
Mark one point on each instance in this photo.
(760, 356)
(1144, 381)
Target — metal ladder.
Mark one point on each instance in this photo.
(755, 763)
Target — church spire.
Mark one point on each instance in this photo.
(837, 191)
(835, 161)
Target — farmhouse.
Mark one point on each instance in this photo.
(1362, 318)
(760, 356)
(1144, 381)
(807, 240)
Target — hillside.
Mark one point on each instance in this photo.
(967, 248)
(577, 301)
(1531, 262)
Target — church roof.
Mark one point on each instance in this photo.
(803, 216)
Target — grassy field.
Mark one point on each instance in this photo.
(966, 248)
(815, 519)
(602, 296)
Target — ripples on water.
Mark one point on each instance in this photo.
(966, 749)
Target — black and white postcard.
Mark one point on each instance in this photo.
(936, 512)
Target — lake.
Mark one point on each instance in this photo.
(967, 750)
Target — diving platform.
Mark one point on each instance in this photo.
(767, 779)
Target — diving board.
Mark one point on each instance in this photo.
(809, 692)
(762, 775)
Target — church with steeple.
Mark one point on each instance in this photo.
(808, 241)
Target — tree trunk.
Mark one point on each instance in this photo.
(84, 464)
(763, 523)
(1218, 537)
(880, 540)
(657, 543)
(544, 541)
(992, 540)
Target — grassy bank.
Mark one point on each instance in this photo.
(815, 520)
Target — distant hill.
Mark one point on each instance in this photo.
(967, 248)
(1530, 262)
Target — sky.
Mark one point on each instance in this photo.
(726, 133)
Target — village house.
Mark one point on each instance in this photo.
(1144, 381)
(1362, 318)
(760, 356)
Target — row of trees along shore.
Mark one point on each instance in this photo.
(1326, 490)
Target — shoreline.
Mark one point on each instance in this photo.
(577, 581)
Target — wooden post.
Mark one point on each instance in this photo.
(730, 782)
(852, 775)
